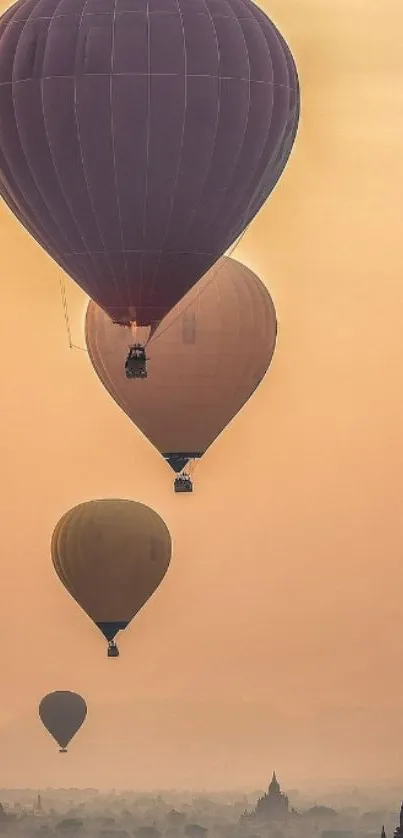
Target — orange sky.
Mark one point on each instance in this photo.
(275, 639)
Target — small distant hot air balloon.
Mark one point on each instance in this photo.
(138, 140)
(205, 361)
(62, 713)
(111, 555)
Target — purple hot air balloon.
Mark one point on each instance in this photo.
(138, 138)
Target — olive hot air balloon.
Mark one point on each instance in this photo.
(138, 139)
(205, 361)
(111, 555)
(62, 713)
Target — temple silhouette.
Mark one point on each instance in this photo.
(273, 805)
(398, 833)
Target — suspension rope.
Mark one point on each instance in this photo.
(67, 318)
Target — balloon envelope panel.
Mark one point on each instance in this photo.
(62, 713)
(111, 555)
(138, 139)
(205, 360)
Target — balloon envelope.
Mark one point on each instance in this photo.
(137, 140)
(205, 360)
(111, 555)
(62, 713)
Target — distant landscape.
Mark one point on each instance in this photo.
(342, 812)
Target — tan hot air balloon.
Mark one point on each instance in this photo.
(111, 555)
(204, 361)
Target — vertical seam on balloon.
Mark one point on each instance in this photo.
(14, 195)
(57, 540)
(270, 320)
(253, 384)
(219, 309)
(21, 215)
(7, 196)
(64, 553)
(69, 208)
(259, 290)
(271, 115)
(249, 296)
(245, 131)
(262, 291)
(147, 120)
(235, 291)
(86, 180)
(62, 235)
(78, 546)
(236, 269)
(278, 169)
(114, 154)
(9, 200)
(193, 214)
(64, 557)
(180, 156)
(142, 260)
(253, 176)
(40, 193)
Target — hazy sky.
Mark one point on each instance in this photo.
(275, 639)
